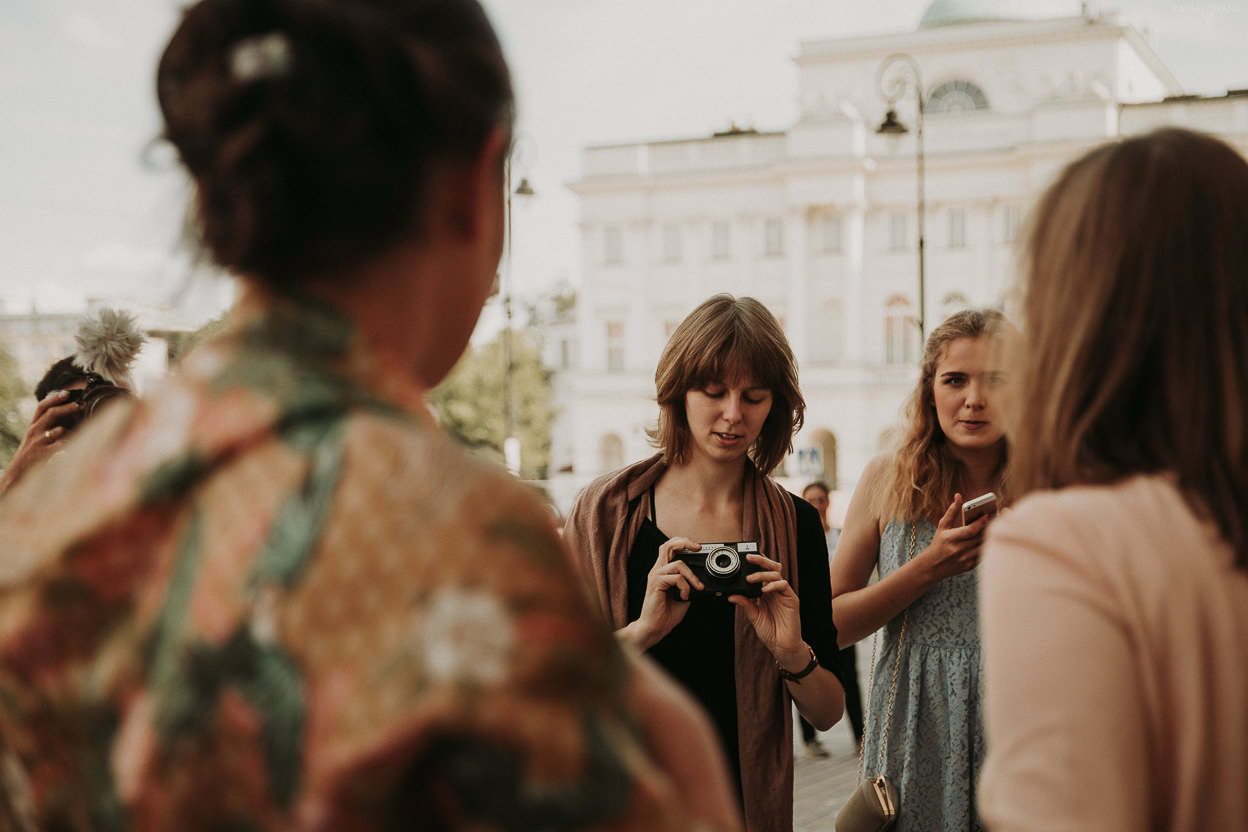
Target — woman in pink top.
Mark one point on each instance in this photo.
(1115, 595)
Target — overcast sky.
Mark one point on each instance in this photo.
(89, 208)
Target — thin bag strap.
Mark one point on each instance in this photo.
(892, 694)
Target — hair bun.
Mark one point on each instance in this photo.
(311, 127)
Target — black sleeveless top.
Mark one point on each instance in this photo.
(699, 651)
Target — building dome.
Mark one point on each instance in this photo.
(946, 12)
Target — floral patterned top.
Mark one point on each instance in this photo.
(273, 595)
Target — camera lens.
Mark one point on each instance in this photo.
(722, 562)
(96, 396)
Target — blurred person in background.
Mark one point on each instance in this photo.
(77, 387)
(1124, 567)
(819, 495)
(272, 594)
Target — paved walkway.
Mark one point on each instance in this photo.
(822, 785)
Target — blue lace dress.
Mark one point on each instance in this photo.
(935, 742)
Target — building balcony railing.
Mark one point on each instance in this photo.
(728, 152)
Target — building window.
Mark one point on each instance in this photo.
(901, 331)
(957, 228)
(612, 245)
(671, 244)
(826, 338)
(615, 346)
(956, 97)
(612, 452)
(773, 237)
(830, 233)
(953, 302)
(720, 240)
(565, 353)
(888, 438)
(825, 441)
(898, 236)
(1011, 219)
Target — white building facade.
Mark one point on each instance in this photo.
(820, 222)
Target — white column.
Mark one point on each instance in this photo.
(854, 240)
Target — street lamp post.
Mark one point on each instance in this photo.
(511, 443)
(892, 85)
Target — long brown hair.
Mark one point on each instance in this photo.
(1136, 333)
(727, 337)
(924, 475)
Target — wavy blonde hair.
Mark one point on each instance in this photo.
(924, 475)
(1135, 354)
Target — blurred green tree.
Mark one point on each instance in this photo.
(471, 402)
(12, 391)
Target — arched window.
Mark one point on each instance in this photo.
(956, 97)
(888, 439)
(825, 440)
(953, 302)
(901, 331)
(612, 449)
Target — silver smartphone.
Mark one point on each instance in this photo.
(974, 509)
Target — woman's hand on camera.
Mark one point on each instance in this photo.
(954, 548)
(668, 589)
(775, 615)
(43, 436)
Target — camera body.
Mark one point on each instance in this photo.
(98, 392)
(722, 568)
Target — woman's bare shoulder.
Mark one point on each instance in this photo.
(877, 470)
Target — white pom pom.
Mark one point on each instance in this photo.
(108, 343)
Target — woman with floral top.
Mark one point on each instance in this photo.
(273, 595)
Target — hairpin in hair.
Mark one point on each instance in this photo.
(108, 344)
(260, 56)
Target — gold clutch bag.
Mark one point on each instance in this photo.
(871, 808)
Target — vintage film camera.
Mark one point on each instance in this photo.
(722, 568)
(98, 392)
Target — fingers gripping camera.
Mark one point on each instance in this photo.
(91, 398)
(722, 568)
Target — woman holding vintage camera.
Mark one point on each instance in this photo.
(729, 404)
(272, 594)
(1125, 564)
(905, 523)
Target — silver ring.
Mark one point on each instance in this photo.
(47, 434)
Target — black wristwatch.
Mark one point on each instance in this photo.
(790, 676)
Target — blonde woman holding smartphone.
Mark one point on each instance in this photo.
(905, 523)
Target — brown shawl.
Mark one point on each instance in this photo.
(600, 532)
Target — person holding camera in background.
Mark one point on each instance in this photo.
(76, 387)
(906, 521)
(729, 404)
